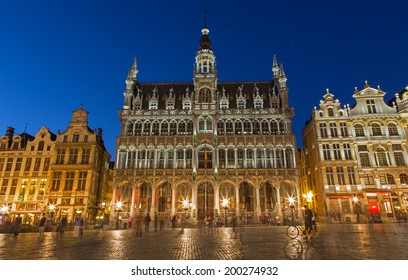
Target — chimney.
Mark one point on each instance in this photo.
(10, 132)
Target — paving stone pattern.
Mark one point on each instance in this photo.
(335, 242)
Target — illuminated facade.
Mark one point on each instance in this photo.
(355, 159)
(61, 174)
(203, 142)
(79, 172)
(24, 173)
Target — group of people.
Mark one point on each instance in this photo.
(139, 220)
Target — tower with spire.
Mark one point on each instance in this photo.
(205, 141)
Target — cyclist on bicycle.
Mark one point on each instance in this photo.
(308, 221)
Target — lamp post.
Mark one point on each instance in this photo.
(4, 210)
(224, 205)
(186, 206)
(118, 208)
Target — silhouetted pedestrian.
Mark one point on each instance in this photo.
(147, 222)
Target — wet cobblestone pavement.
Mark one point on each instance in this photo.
(335, 242)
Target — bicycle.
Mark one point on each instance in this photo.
(294, 228)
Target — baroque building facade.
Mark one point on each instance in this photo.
(354, 160)
(24, 173)
(205, 148)
(61, 174)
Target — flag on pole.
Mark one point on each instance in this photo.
(205, 156)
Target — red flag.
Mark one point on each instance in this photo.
(117, 194)
(205, 157)
(136, 198)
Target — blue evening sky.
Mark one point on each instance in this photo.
(56, 55)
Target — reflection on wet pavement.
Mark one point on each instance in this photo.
(335, 242)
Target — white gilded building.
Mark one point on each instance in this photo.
(203, 142)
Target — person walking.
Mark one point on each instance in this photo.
(173, 221)
(82, 227)
(41, 226)
(77, 225)
(161, 219)
(62, 225)
(17, 225)
(137, 222)
(156, 222)
(147, 222)
(308, 222)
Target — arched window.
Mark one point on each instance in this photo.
(205, 95)
(173, 128)
(376, 129)
(330, 112)
(229, 127)
(381, 157)
(238, 127)
(264, 127)
(274, 127)
(138, 128)
(359, 130)
(247, 127)
(392, 129)
(164, 130)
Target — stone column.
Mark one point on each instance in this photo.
(173, 201)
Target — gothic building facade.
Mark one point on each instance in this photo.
(205, 148)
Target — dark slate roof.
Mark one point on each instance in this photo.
(231, 90)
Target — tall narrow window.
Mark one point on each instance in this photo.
(69, 181)
(347, 151)
(340, 175)
(330, 176)
(323, 130)
(343, 129)
(82, 180)
(371, 106)
(85, 156)
(60, 156)
(351, 176)
(56, 181)
(392, 129)
(326, 151)
(73, 156)
(37, 164)
(28, 164)
(333, 130)
(336, 151)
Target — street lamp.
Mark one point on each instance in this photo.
(4, 210)
(224, 205)
(52, 207)
(186, 206)
(118, 207)
(308, 197)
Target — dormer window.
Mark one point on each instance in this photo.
(241, 104)
(170, 106)
(371, 106)
(187, 105)
(137, 106)
(258, 104)
(224, 104)
(153, 105)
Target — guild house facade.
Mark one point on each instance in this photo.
(354, 159)
(205, 148)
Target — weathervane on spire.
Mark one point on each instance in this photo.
(205, 17)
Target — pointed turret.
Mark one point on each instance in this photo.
(131, 81)
(275, 67)
(282, 77)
